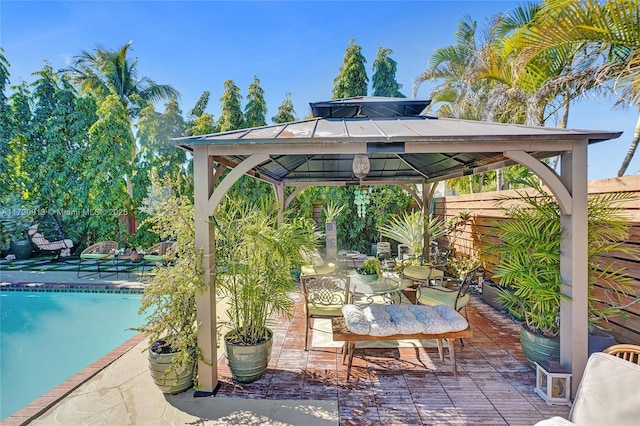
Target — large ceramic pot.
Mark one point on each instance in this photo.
(248, 362)
(599, 340)
(537, 348)
(170, 382)
(22, 249)
(367, 278)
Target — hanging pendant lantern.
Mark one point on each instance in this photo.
(361, 166)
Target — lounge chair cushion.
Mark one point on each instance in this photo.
(607, 395)
(386, 320)
(96, 256)
(421, 272)
(440, 296)
(328, 310)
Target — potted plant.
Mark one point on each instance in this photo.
(459, 264)
(255, 256)
(529, 263)
(170, 298)
(370, 270)
(410, 229)
(16, 219)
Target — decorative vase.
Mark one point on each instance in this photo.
(169, 382)
(538, 348)
(22, 249)
(331, 248)
(248, 362)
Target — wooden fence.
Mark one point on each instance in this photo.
(481, 229)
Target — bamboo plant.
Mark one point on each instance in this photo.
(255, 258)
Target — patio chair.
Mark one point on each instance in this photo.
(61, 248)
(424, 275)
(625, 351)
(160, 254)
(98, 252)
(324, 296)
(317, 265)
(456, 299)
(607, 394)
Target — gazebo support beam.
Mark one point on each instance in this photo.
(206, 201)
(574, 268)
(570, 189)
(206, 302)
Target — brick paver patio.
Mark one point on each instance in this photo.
(407, 386)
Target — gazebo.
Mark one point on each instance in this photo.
(373, 140)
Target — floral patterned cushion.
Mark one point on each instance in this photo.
(386, 320)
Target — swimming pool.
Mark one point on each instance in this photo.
(46, 337)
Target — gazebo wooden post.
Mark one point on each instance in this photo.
(426, 201)
(206, 303)
(574, 310)
(279, 191)
(570, 190)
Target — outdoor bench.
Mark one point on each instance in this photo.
(376, 322)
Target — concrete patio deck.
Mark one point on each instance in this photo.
(405, 386)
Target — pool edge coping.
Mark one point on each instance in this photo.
(44, 402)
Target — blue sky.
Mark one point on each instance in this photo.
(291, 46)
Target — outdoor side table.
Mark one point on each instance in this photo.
(387, 288)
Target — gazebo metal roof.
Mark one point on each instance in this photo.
(402, 145)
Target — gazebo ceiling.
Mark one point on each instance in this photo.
(402, 145)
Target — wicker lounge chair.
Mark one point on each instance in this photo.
(160, 254)
(607, 395)
(627, 352)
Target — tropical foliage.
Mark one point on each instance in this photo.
(170, 300)
(412, 229)
(286, 112)
(352, 80)
(255, 257)
(256, 108)
(529, 257)
(538, 59)
(384, 75)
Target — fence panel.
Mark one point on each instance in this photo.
(482, 230)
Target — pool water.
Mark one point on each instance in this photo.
(45, 338)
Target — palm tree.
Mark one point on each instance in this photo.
(106, 72)
(451, 65)
(608, 34)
